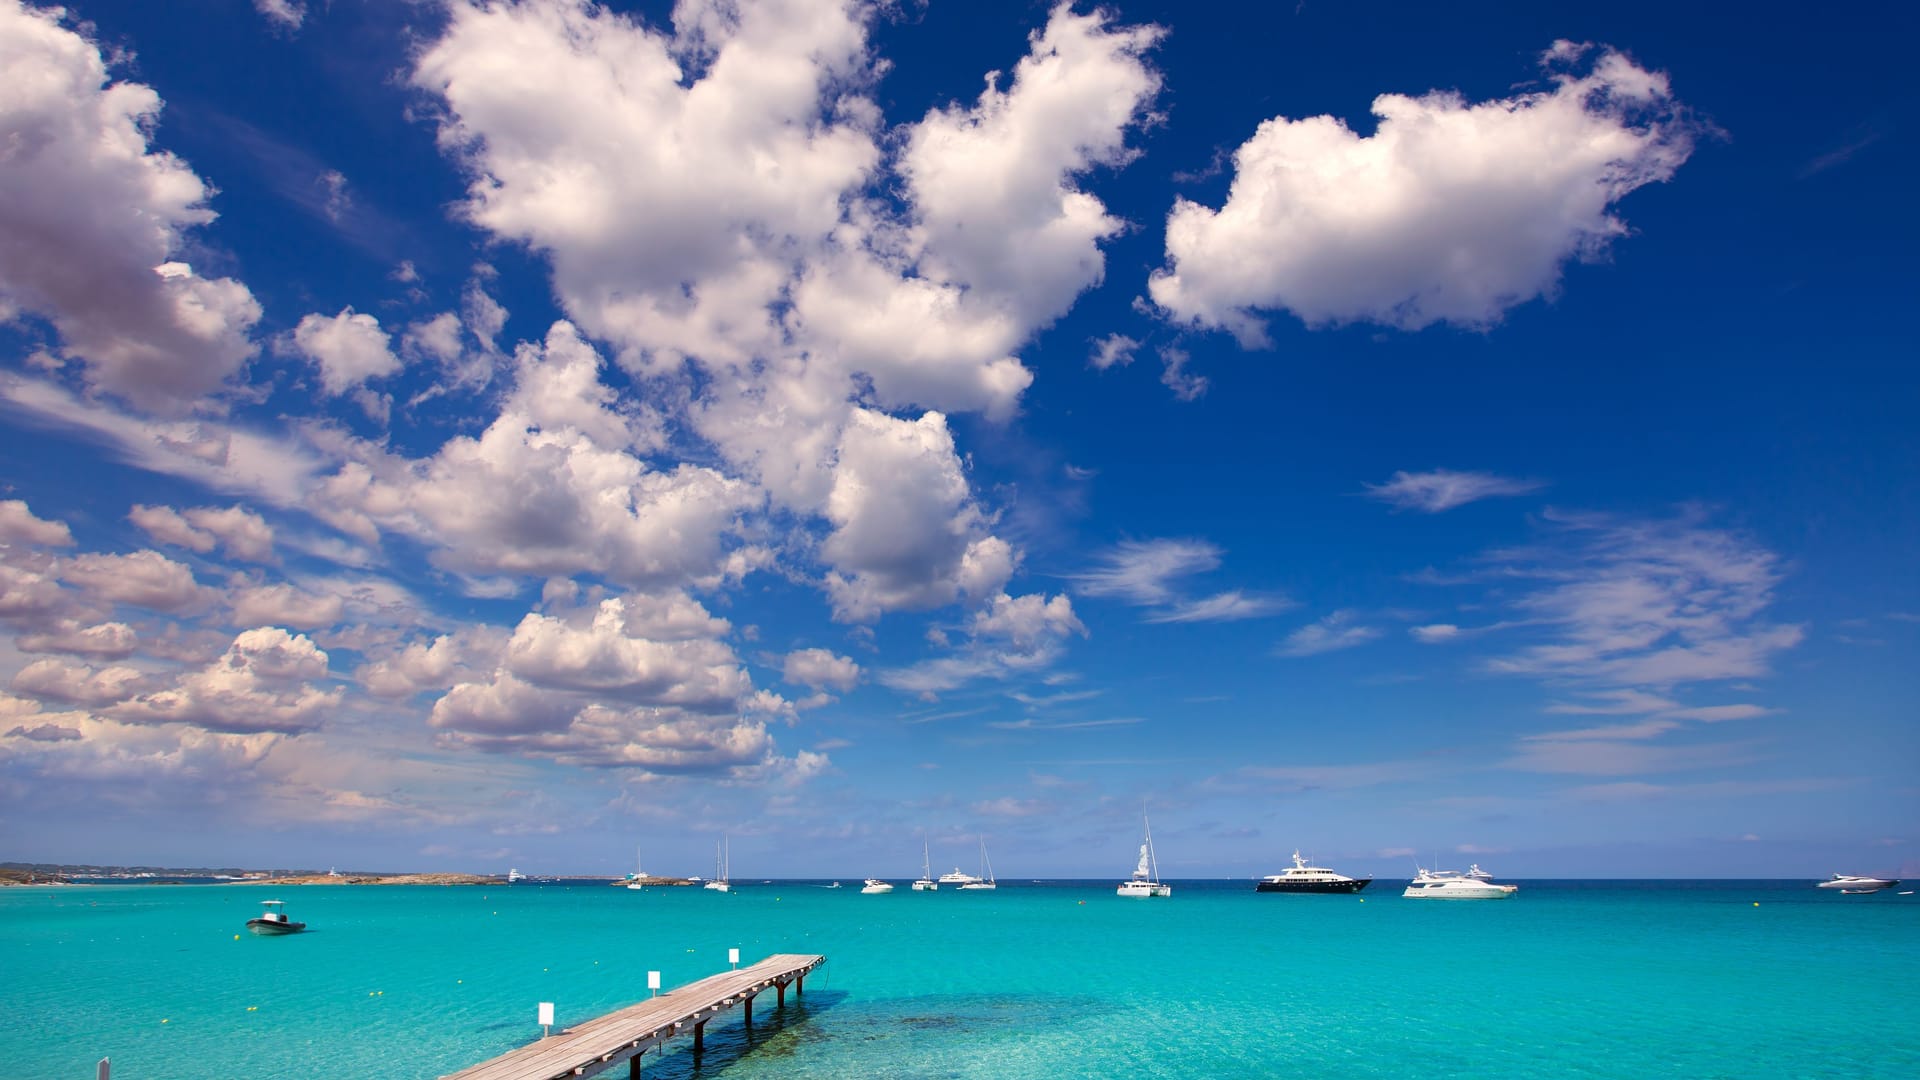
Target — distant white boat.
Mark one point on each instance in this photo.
(1478, 874)
(983, 882)
(875, 885)
(926, 882)
(1146, 876)
(513, 875)
(719, 882)
(1848, 883)
(1454, 885)
(637, 880)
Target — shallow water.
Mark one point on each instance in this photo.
(1600, 979)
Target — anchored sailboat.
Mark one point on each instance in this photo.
(1146, 876)
(985, 880)
(719, 882)
(926, 882)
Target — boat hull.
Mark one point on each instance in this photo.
(1350, 886)
(1140, 891)
(271, 928)
(1489, 892)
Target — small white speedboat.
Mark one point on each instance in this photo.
(1849, 883)
(875, 885)
(273, 921)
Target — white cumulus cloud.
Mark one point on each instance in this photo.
(820, 669)
(93, 222)
(1451, 211)
(19, 525)
(349, 348)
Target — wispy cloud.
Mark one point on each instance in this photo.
(1174, 375)
(1114, 350)
(1614, 703)
(1030, 724)
(1336, 631)
(1336, 777)
(1646, 604)
(1645, 729)
(1444, 489)
(1223, 607)
(1146, 573)
(1641, 791)
(1010, 807)
(1626, 757)
(1064, 697)
(1838, 156)
(1140, 571)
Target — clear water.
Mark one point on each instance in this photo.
(1600, 979)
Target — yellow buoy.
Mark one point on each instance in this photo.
(165, 1021)
(236, 937)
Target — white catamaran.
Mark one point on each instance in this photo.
(1146, 876)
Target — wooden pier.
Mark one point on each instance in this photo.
(622, 1036)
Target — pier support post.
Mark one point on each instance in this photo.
(780, 999)
(699, 1036)
(800, 985)
(633, 1067)
(746, 1011)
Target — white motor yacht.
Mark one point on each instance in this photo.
(875, 885)
(1454, 885)
(1849, 883)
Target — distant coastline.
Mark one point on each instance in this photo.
(19, 874)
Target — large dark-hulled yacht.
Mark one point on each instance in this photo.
(1301, 878)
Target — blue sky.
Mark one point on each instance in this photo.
(460, 435)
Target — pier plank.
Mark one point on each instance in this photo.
(605, 1041)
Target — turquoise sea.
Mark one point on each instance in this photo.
(1058, 979)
